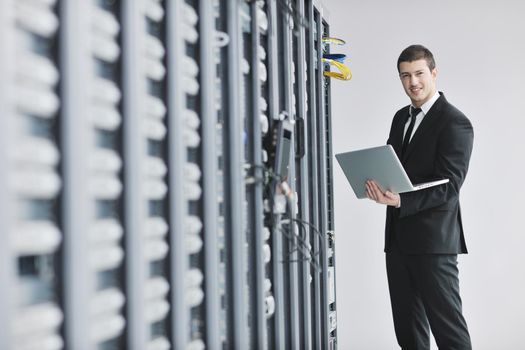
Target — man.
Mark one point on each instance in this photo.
(424, 232)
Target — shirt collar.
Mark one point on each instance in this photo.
(427, 105)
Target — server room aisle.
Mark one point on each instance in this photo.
(166, 175)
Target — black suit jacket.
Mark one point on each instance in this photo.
(429, 220)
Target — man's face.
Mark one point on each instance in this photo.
(418, 81)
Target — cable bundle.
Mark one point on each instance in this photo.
(336, 60)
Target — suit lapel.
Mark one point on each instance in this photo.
(426, 126)
(397, 133)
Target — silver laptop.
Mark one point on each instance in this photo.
(382, 165)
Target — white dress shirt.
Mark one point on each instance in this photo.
(419, 118)
(424, 110)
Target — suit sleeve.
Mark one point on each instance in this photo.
(452, 160)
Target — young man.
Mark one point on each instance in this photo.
(424, 232)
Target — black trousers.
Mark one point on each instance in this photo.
(424, 291)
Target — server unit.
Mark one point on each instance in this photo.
(166, 175)
(32, 180)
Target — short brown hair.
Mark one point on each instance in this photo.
(417, 52)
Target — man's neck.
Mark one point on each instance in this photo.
(418, 104)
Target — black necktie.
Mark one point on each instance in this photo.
(406, 140)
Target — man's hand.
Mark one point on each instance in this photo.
(374, 193)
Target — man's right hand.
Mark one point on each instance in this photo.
(374, 193)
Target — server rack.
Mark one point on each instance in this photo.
(277, 323)
(213, 235)
(308, 262)
(93, 203)
(220, 170)
(325, 178)
(32, 179)
(141, 203)
(147, 175)
(7, 266)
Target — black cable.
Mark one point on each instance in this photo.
(303, 247)
(304, 244)
(309, 256)
(322, 236)
(289, 206)
(316, 230)
(312, 253)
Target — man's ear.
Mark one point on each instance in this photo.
(434, 73)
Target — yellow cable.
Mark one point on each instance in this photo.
(344, 72)
(336, 41)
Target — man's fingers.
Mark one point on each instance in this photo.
(368, 190)
(375, 192)
(375, 189)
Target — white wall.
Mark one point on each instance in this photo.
(479, 48)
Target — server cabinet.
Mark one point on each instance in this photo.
(147, 206)
(32, 179)
(220, 159)
(324, 176)
(165, 175)
(93, 203)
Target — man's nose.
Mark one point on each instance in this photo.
(413, 80)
